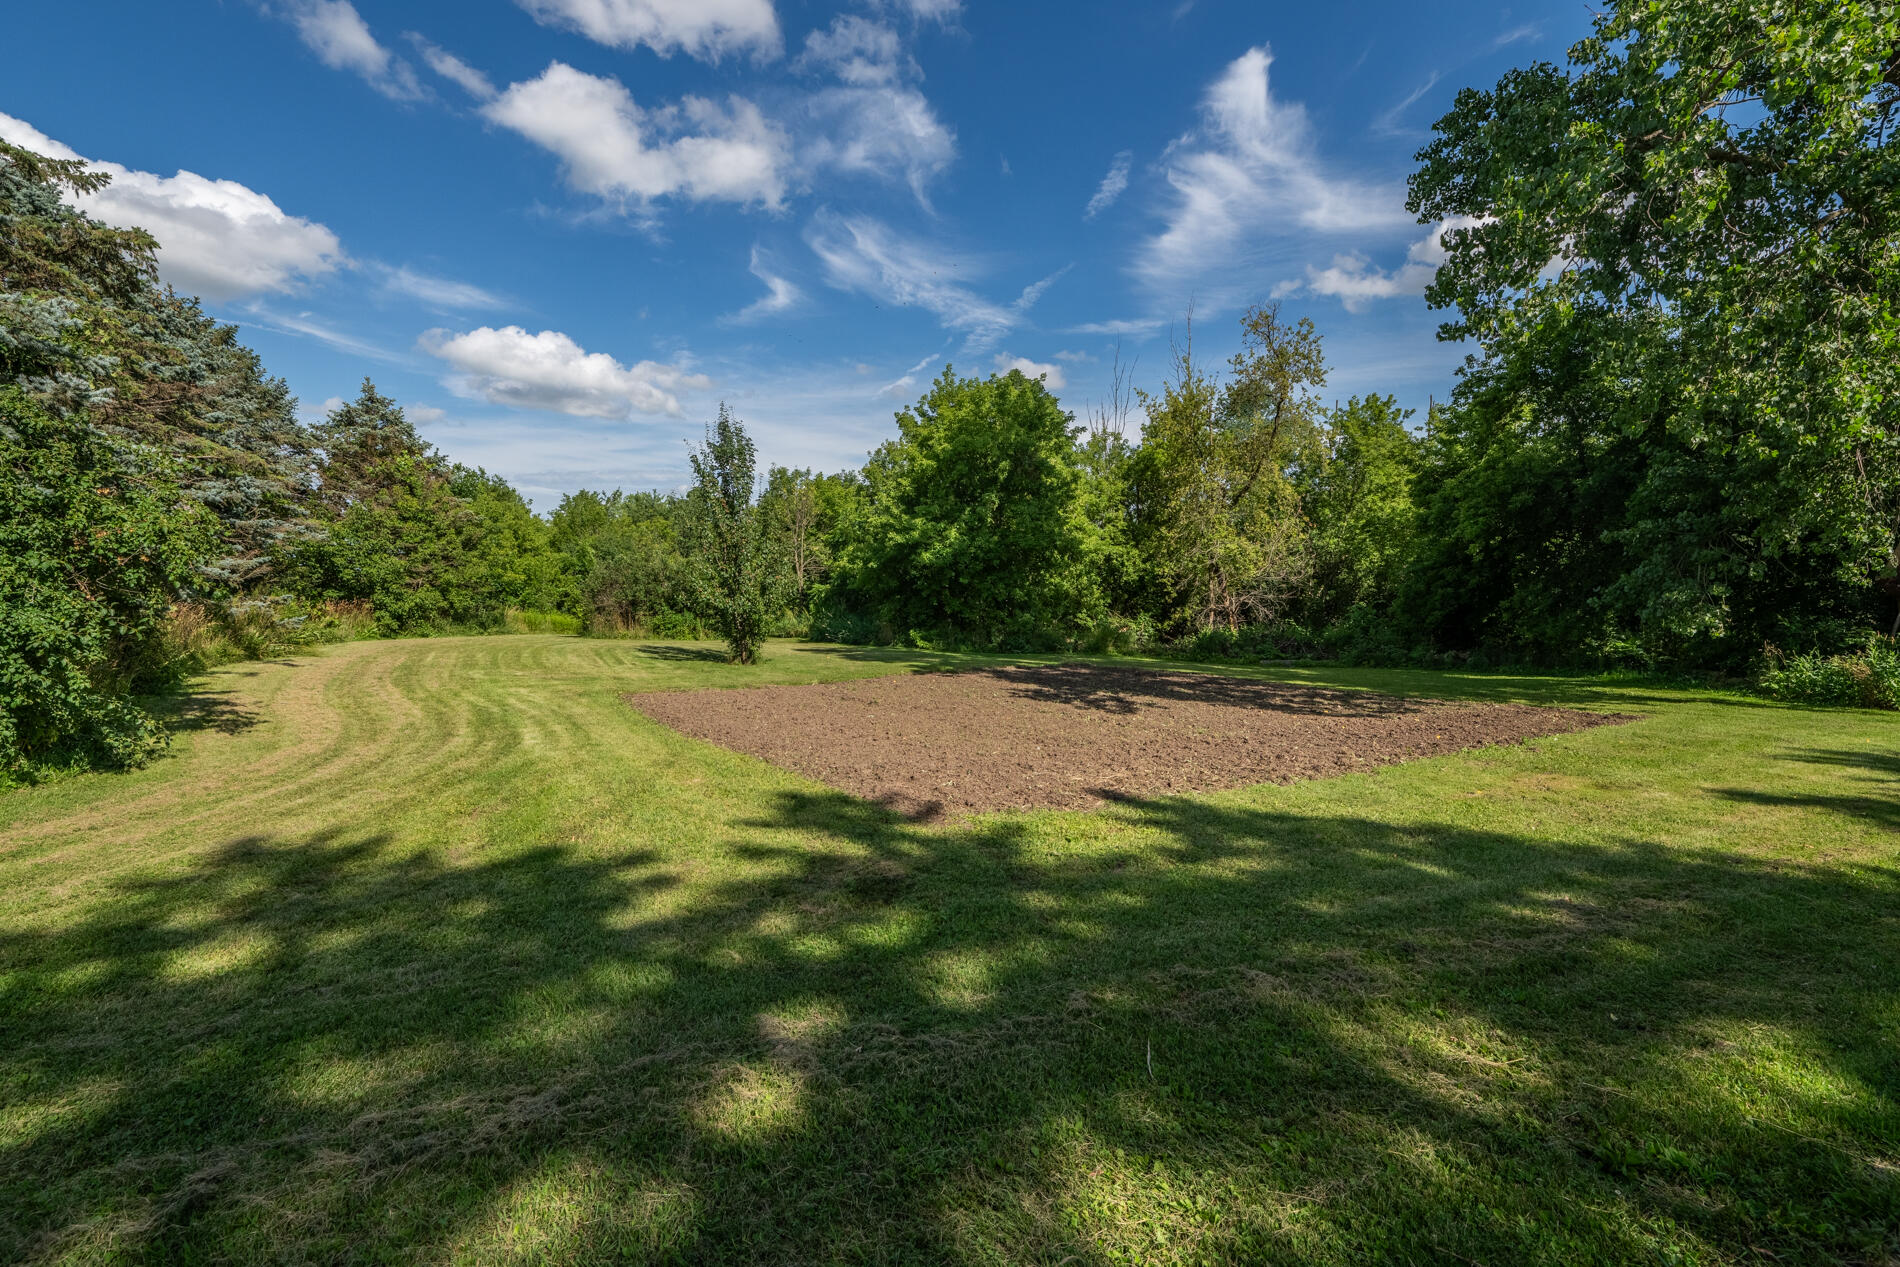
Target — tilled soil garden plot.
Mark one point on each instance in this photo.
(1070, 735)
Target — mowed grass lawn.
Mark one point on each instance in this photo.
(437, 951)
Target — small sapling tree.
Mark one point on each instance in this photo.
(738, 580)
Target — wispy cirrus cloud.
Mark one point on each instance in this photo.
(1388, 123)
(436, 292)
(1112, 186)
(308, 326)
(866, 256)
(780, 295)
(874, 120)
(923, 10)
(454, 69)
(1251, 177)
(705, 29)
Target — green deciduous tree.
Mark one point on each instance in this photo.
(737, 572)
(1707, 204)
(624, 555)
(1355, 490)
(93, 549)
(974, 525)
(1221, 519)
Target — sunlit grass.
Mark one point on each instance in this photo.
(437, 950)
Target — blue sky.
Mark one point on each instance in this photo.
(561, 231)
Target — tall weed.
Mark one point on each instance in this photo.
(520, 621)
(1869, 678)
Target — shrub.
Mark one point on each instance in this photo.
(92, 551)
(1869, 678)
(1116, 635)
(1280, 640)
(202, 635)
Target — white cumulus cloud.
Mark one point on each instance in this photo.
(1352, 279)
(216, 238)
(337, 34)
(610, 146)
(1051, 375)
(550, 371)
(705, 29)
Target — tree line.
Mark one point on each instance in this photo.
(1674, 445)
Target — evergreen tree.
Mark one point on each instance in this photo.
(360, 442)
(146, 459)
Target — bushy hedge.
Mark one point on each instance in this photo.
(1869, 678)
(91, 552)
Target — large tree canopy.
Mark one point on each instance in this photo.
(1707, 206)
(975, 520)
(143, 457)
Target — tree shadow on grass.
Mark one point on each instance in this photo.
(222, 711)
(1880, 804)
(1550, 689)
(1219, 1032)
(685, 653)
(1128, 689)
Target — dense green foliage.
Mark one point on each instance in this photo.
(159, 497)
(1679, 262)
(1677, 445)
(972, 524)
(1869, 678)
(426, 544)
(737, 574)
(142, 457)
(622, 555)
(91, 551)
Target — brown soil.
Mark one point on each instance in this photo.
(1073, 735)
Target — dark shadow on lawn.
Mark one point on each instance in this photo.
(206, 710)
(337, 1049)
(1126, 690)
(1555, 690)
(676, 653)
(1880, 805)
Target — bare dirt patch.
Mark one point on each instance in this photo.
(1072, 735)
